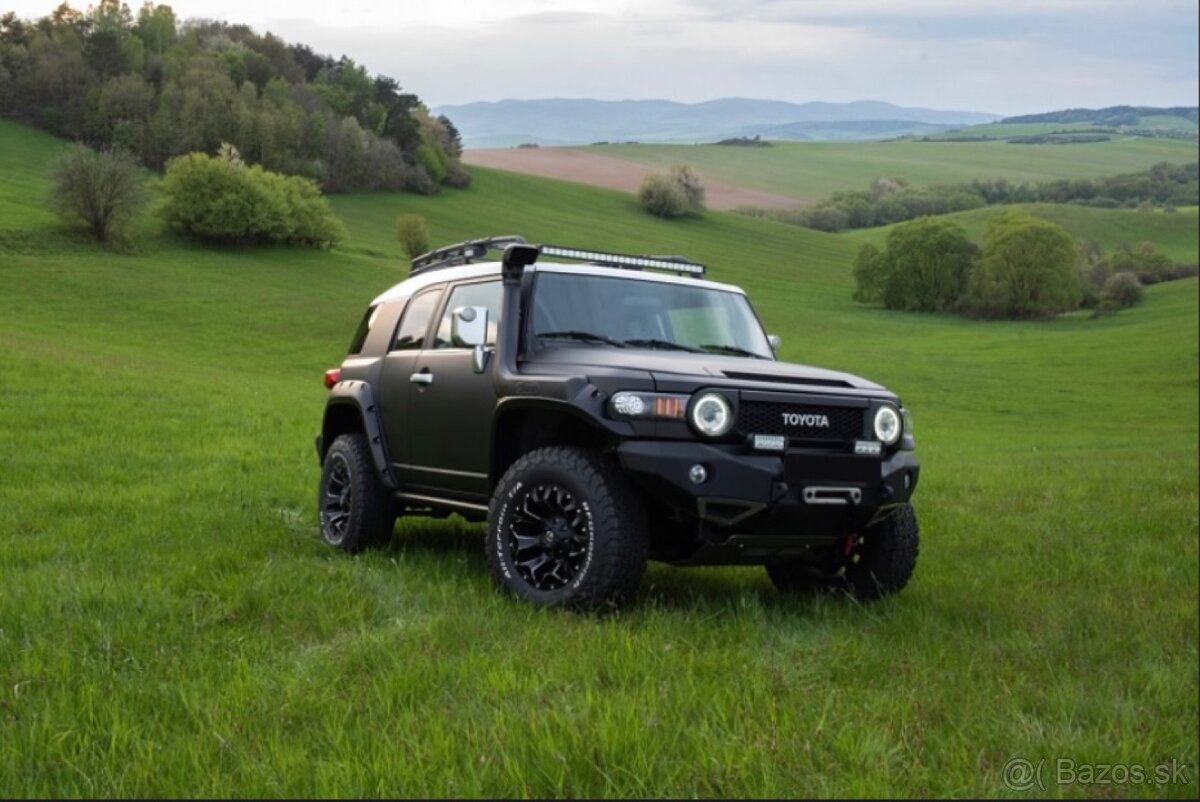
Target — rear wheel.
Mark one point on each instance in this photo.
(354, 508)
(566, 530)
(870, 564)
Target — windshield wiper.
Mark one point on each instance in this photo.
(731, 349)
(585, 336)
(653, 343)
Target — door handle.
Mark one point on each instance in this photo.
(424, 377)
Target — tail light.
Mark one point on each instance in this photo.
(332, 377)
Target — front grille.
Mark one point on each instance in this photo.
(765, 417)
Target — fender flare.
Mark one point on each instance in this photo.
(358, 395)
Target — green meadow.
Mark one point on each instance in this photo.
(171, 624)
(809, 171)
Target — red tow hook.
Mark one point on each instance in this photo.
(848, 546)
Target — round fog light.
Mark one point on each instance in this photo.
(698, 474)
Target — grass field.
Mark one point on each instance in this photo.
(1003, 130)
(1174, 234)
(170, 624)
(809, 171)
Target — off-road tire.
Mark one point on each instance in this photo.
(354, 508)
(597, 510)
(882, 559)
(886, 556)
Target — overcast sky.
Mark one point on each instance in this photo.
(1002, 56)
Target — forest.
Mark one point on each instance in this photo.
(158, 87)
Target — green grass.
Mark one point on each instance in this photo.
(1174, 234)
(809, 171)
(170, 624)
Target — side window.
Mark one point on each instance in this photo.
(487, 293)
(411, 334)
(364, 328)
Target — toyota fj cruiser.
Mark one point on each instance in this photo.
(607, 412)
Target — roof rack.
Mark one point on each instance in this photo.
(464, 253)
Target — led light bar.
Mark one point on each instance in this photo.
(624, 260)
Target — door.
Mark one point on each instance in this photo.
(451, 408)
(397, 378)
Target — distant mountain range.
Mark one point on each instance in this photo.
(580, 122)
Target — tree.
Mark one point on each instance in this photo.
(102, 192)
(869, 275)
(926, 266)
(1027, 269)
(413, 231)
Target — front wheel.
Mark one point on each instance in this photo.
(566, 530)
(872, 564)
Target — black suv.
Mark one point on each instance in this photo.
(597, 415)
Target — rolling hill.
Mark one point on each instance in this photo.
(580, 121)
(170, 625)
(809, 171)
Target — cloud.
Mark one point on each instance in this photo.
(1007, 56)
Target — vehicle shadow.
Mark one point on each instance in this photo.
(704, 591)
(439, 537)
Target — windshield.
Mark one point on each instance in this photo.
(635, 313)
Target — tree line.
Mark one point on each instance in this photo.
(1027, 268)
(893, 200)
(158, 88)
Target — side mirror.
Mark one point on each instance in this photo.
(775, 342)
(469, 326)
(468, 329)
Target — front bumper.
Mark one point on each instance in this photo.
(756, 501)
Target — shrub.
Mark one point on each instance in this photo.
(662, 197)
(413, 232)
(675, 193)
(1121, 290)
(102, 192)
(689, 183)
(869, 275)
(1027, 270)
(220, 199)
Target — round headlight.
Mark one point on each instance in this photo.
(712, 415)
(887, 425)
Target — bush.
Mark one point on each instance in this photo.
(102, 192)
(689, 183)
(1121, 290)
(869, 275)
(672, 194)
(218, 198)
(1027, 270)
(413, 232)
(662, 197)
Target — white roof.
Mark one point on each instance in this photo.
(483, 269)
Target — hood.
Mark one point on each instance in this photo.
(672, 370)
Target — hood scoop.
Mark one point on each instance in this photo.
(777, 378)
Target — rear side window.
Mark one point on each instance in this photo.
(411, 334)
(364, 328)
